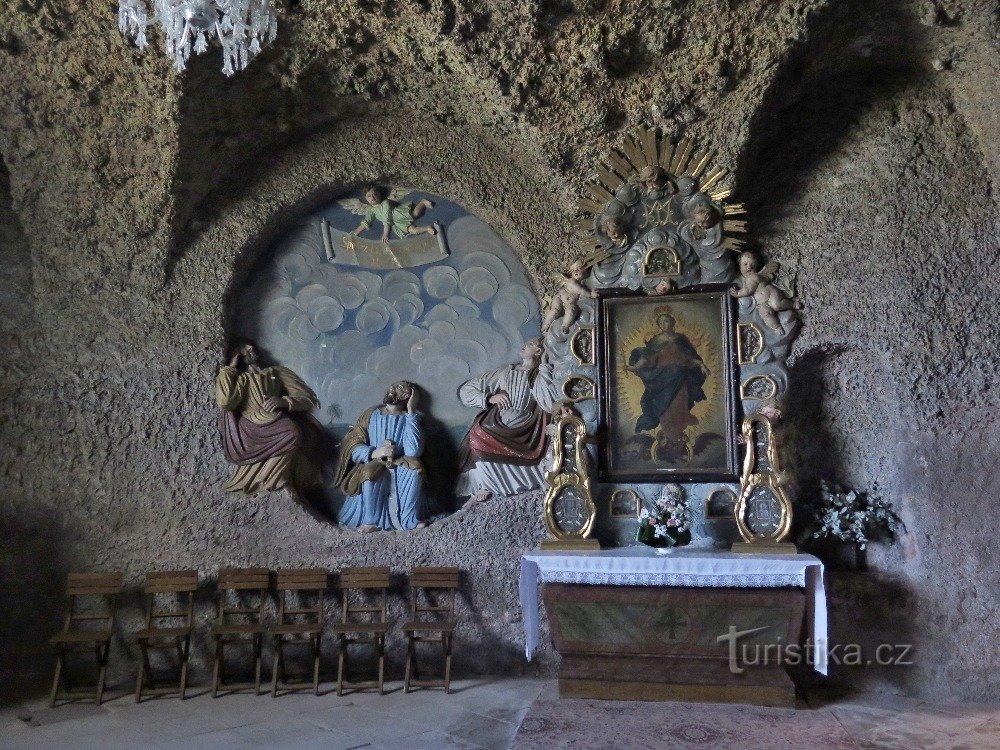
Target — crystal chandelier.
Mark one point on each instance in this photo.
(241, 26)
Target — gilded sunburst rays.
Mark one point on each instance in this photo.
(648, 148)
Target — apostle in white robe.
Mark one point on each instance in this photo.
(379, 465)
(504, 450)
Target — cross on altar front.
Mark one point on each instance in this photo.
(674, 620)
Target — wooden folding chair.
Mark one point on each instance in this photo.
(359, 584)
(176, 588)
(430, 622)
(297, 623)
(239, 624)
(85, 628)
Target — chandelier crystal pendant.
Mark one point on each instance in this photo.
(241, 26)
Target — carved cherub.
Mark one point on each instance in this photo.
(703, 218)
(759, 284)
(566, 300)
(656, 182)
(615, 228)
(386, 207)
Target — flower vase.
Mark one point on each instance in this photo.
(672, 540)
(841, 555)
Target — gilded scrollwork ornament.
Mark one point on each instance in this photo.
(763, 508)
(570, 510)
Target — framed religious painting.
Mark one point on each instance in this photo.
(667, 386)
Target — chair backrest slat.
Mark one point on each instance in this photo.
(427, 579)
(90, 584)
(183, 583)
(364, 581)
(242, 586)
(364, 578)
(238, 579)
(107, 586)
(171, 581)
(301, 579)
(295, 581)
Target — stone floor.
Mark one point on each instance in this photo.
(482, 713)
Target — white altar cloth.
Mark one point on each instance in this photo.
(645, 566)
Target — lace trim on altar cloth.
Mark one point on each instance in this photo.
(729, 580)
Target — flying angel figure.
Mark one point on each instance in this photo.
(386, 207)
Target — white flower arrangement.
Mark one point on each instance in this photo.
(667, 522)
(853, 516)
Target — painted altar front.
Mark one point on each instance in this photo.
(637, 623)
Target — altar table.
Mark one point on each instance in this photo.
(639, 623)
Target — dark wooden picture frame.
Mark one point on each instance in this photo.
(704, 318)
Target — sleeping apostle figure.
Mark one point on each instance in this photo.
(504, 451)
(379, 467)
(266, 428)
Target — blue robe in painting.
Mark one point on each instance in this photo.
(671, 371)
(371, 505)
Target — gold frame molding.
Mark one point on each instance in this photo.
(708, 502)
(739, 343)
(590, 331)
(620, 516)
(649, 253)
(578, 399)
(766, 378)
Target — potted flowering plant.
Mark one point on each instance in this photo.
(667, 521)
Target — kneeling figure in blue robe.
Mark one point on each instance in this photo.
(380, 460)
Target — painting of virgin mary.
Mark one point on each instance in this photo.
(666, 386)
(672, 373)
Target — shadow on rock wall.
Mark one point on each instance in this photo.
(31, 601)
(854, 54)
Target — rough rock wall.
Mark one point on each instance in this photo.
(865, 144)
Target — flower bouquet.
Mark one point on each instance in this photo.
(667, 522)
(844, 522)
(852, 516)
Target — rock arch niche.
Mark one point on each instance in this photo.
(442, 298)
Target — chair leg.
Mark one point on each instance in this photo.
(99, 688)
(258, 643)
(217, 668)
(143, 667)
(274, 669)
(381, 665)
(55, 680)
(340, 665)
(409, 659)
(186, 652)
(316, 655)
(447, 664)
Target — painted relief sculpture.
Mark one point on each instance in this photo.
(266, 428)
(380, 459)
(385, 207)
(402, 242)
(769, 299)
(503, 452)
(351, 315)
